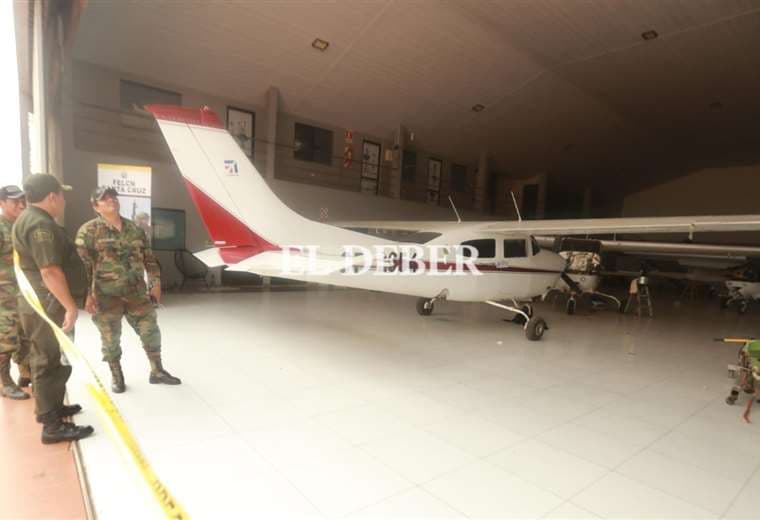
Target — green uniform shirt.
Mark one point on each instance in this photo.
(115, 261)
(8, 287)
(40, 242)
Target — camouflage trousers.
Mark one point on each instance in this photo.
(140, 315)
(12, 338)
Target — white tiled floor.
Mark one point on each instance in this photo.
(328, 403)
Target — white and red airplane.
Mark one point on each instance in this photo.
(253, 231)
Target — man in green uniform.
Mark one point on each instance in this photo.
(116, 255)
(13, 344)
(42, 247)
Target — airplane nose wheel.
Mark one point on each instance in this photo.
(570, 306)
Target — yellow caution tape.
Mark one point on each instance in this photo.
(109, 412)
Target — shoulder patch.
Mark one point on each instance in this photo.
(42, 235)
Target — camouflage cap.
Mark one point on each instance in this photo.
(40, 185)
(11, 192)
(101, 191)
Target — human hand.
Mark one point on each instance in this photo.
(70, 319)
(155, 293)
(91, 304)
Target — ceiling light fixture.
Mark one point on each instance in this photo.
(649, 35)
(478, 108)
(320, 44)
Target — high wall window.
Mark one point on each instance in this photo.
(136, 95)
(458, 178)
(409, 168)
(313, 144)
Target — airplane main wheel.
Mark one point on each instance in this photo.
(535, 329)
(424, 307)
(743, 305)
(570, 306)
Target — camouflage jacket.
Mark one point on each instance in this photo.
(7, 275)
(115, 261)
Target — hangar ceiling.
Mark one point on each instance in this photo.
(569, 88)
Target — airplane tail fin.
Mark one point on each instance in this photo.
(237, 206)
(241, 213)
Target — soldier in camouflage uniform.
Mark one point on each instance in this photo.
(13, 343)
(116, 254)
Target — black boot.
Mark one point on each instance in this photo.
(66, 410)
(59, 431)
(25, 375)
(157, 373)
(117, 377)
(9, 388)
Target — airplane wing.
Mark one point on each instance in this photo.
(678, 249)
(577, 226)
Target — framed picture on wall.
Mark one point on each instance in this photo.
(435, 166)
(168, 229)
(370, 167)
(242, 125)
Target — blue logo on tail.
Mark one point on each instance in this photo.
(230, 167)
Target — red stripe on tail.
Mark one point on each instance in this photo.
(235, 240)
(192, 116)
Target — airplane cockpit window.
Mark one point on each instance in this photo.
(486, 247)
(514, 248)
(535, 246)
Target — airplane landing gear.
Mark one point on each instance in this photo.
(533, 326)
(743, 306)
(425, 306)
(570, 305)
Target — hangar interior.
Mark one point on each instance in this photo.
(307, 400)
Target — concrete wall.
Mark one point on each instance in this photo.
(715, 191)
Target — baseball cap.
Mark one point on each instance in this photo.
(101, 191)
(11, 192)
(40, 185)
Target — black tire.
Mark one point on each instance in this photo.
(570, 306)
(535, 329)
(730, 400)
(421, 309)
